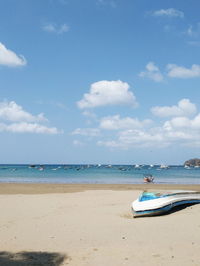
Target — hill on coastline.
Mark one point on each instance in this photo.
(192, 162)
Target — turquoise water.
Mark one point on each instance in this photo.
(96, 174)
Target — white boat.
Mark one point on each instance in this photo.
(156, 203)
(187, 167)
(162, 166)
(137, 166)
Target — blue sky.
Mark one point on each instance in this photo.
(99, 81)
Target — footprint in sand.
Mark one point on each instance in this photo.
(126, 215)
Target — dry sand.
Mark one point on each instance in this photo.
(93, 226)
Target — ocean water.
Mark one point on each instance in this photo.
(97, 174)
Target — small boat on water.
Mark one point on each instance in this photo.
(163, 166)
(32, 166)
(137, 166)
(41, 168)
(156, 203)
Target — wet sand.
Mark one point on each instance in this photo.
(21, 188)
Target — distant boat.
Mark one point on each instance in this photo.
(41, 168)
(32, 166)
(137, 166)
(187, 167)
(156, 203)
(162, 166)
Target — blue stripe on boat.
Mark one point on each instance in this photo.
(165, 208)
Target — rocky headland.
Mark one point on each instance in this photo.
(192, 162)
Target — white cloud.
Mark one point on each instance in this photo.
(184, 108)
(152, 72)
(141, 137)
(9, 58)
(89, 114)
(175, 71)
(22, 121)
(183, 123)
(177, 131)
(183, 130)
(131, 138)
(52, 27)
(116, 123)
(90, 132)
(13, 112)
(24, 127)
(170, 12)
(78, 143)
(108, 93)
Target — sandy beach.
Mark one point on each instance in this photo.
(92, 225)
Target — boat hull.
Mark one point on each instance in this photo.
(163, 204)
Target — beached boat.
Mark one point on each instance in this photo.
(156, 203)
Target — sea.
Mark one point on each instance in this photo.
(98, 174)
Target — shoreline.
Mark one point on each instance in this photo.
(41, 188)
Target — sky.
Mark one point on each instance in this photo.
(99, 81)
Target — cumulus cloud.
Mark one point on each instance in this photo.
(183, 123)
(180, 130)
(90, 132)
(9, 58)
(170, 12)
(108, 93)
(131, 138)
(22, 121)
(13, 112)
(175, 71)
(183, 108)
(141, 137)
(24, 127)
(152, 72)
(183, 130)
(116, 123)
(53, 28)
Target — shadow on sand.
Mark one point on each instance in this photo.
(31, 259)
(180, 207)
